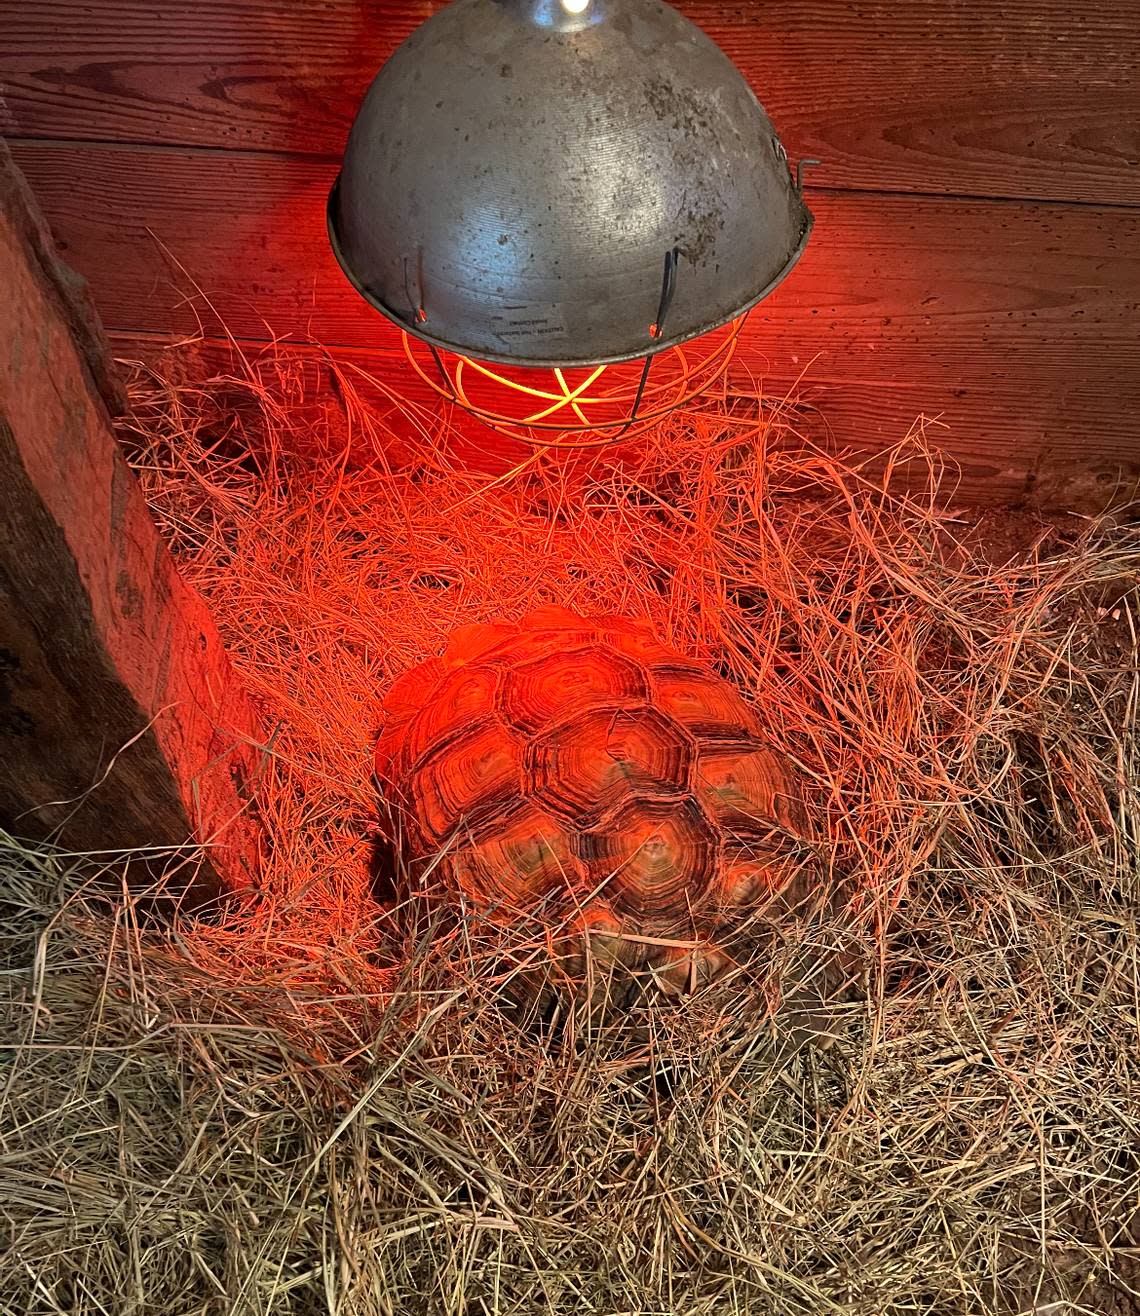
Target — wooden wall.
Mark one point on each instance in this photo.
(977, 250)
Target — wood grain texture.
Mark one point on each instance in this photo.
(1034, 99)
(1014, 324)
(1072, 468)
(121, 724)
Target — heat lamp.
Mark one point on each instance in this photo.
(568, 207)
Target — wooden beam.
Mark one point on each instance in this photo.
(121, 723)
(1037, 99)
(1012, 324)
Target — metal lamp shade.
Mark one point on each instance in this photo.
(529, 185)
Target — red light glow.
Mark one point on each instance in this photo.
(577, 407)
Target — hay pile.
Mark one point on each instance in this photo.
(306, 1108)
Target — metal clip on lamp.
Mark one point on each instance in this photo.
(555, 200)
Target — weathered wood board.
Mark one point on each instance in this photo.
(121, 722)
(952, 273)
(833, 416)
(1035, 99)
(1013, 324)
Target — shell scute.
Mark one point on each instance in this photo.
(642, 647)
(466, 695)
(469, 643)
(758, 881)
(522, 646)
(744, 788)
(583, 768)
(407, 692)
(526, 857)
(555, 686)
(472, 777)
(707, 707)
(651, 855)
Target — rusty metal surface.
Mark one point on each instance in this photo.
(517, 175)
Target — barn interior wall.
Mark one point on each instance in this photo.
(976, 258)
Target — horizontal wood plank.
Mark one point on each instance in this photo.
(976, 462)
(1034, 99)
(1015, 324)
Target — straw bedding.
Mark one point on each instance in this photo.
(309, 1105)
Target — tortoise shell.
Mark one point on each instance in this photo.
(576, 769)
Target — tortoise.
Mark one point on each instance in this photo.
(575, 770)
